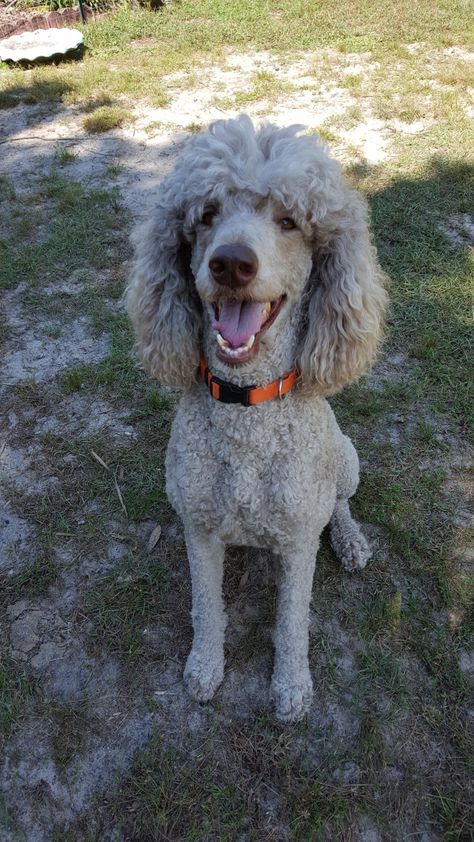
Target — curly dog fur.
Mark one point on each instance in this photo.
(275, 474)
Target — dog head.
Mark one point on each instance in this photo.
(257, 251)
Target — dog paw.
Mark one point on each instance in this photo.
(203, 675)
(292, 699)
(355, 552)
(351, 548)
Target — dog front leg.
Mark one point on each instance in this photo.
(292, 688)
(205, 665)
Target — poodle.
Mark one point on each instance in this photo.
(256, 290)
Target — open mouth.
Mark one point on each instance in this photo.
(239, 326)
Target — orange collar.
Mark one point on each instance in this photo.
(226, 392)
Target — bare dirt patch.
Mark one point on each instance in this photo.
(459, 230)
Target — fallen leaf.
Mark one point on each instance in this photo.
(243, 580)
(153, 539)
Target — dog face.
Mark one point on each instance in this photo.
(250, 262)
(251, 228)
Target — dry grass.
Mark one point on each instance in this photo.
(105, 118)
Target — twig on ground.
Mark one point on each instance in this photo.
(100, 461)
(117, 487)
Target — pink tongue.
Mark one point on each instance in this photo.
(238, 320)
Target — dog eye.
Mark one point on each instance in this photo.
(208, 216)
(287, 223)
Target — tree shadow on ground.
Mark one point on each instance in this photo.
(418, 228)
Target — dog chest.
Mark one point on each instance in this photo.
(251, 476)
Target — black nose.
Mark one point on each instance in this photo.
(233, 265)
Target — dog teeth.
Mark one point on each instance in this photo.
(267, 307)
(222, 342)
(234, 352)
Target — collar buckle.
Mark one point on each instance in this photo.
(229, 392)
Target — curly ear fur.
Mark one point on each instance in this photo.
(161, 298)
(346, 299)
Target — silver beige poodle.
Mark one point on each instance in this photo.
(257, 270)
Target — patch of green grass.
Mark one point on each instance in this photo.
(408, 508)
(96, 102)
(52, 330)
(319, 811)
(381, 614)
(172, 796)
(72, 725)
(46, 86)
(352, 81)
(7, 191)
(119, 370)
(456, 812)
(72, 379)
(157, 403)
(114, 169)
(65, 156)
(84, 228)
(408, 97)
(210, 794)
(23, 227)
(379, 670)
(264, 86)
(194, 128)
(288, 24)
(4, 333)
(430, 283)
(437, 646)
(363, 404)
(35, 579)
(136, 466)
(16, 688)
(31, 393)
(181, 36)
(371, 743)
(326, 133)
(105, 118)
(5, 819)
(124, 601)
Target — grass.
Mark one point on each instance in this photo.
(263, 86)
(72, 725)
(124, 601)
(65, 156)
(178, 798)
(182, 36)
(36, 578)
(428, 279)
(83, 226)
(105, 118)
(263, 787)
(15, 690)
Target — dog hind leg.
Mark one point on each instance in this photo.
(347, 539)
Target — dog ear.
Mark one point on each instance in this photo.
(161, 298)
(345, 300)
